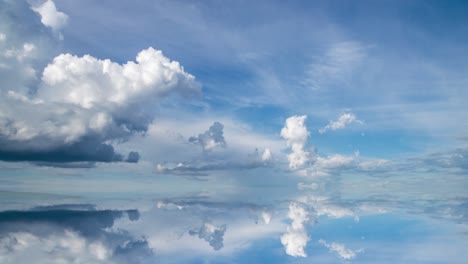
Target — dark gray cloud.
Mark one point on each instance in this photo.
(89, 223)
(133, 157)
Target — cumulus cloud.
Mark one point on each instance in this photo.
(296, 238)
(339, 249)
(83, 104)
(344, 120)
(71, 109)
(211, 234)
(211, 139)
(92, 83)
(296, 135)
(66, 247)
(68, 234)
(50, 16)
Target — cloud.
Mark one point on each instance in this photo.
(266, 217)
(66, 247)
(90, 83)
(83, 104)
(211, 139)
(201, 167)
(334, 161)
(296, 238)
(194, 169)
(57, 109)
(340, 250)
(50, 16)
(325, 206)
(335, 65)
(211, 234)
(342, 122)
(69, 233)
(133, 157)
(87, 222)
(453, 159)
(296, 135)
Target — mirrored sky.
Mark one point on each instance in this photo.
(233, 131)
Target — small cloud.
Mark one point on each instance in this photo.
(342, 122)
(266, 216)
(211, 233)
(340, 250)
(266, 156)
(50, 16)
(133, 157)
(296, 134)
(211, 139)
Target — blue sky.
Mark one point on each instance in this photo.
(233, 131)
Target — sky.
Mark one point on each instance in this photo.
(233, 131)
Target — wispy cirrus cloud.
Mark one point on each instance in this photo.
(343, 121)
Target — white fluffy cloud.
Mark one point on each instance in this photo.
(50, 16)
(66, 247)
(296, 238)
(83, 98)
(344, 120)
(296, 135)
(340, 249)
(68, 108)
(92, 83)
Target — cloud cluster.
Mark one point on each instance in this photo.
(216, 156)
(81, 105)
(296, 135)
(211, 139)
(344, 120)
(296, 238)
(211, 234)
